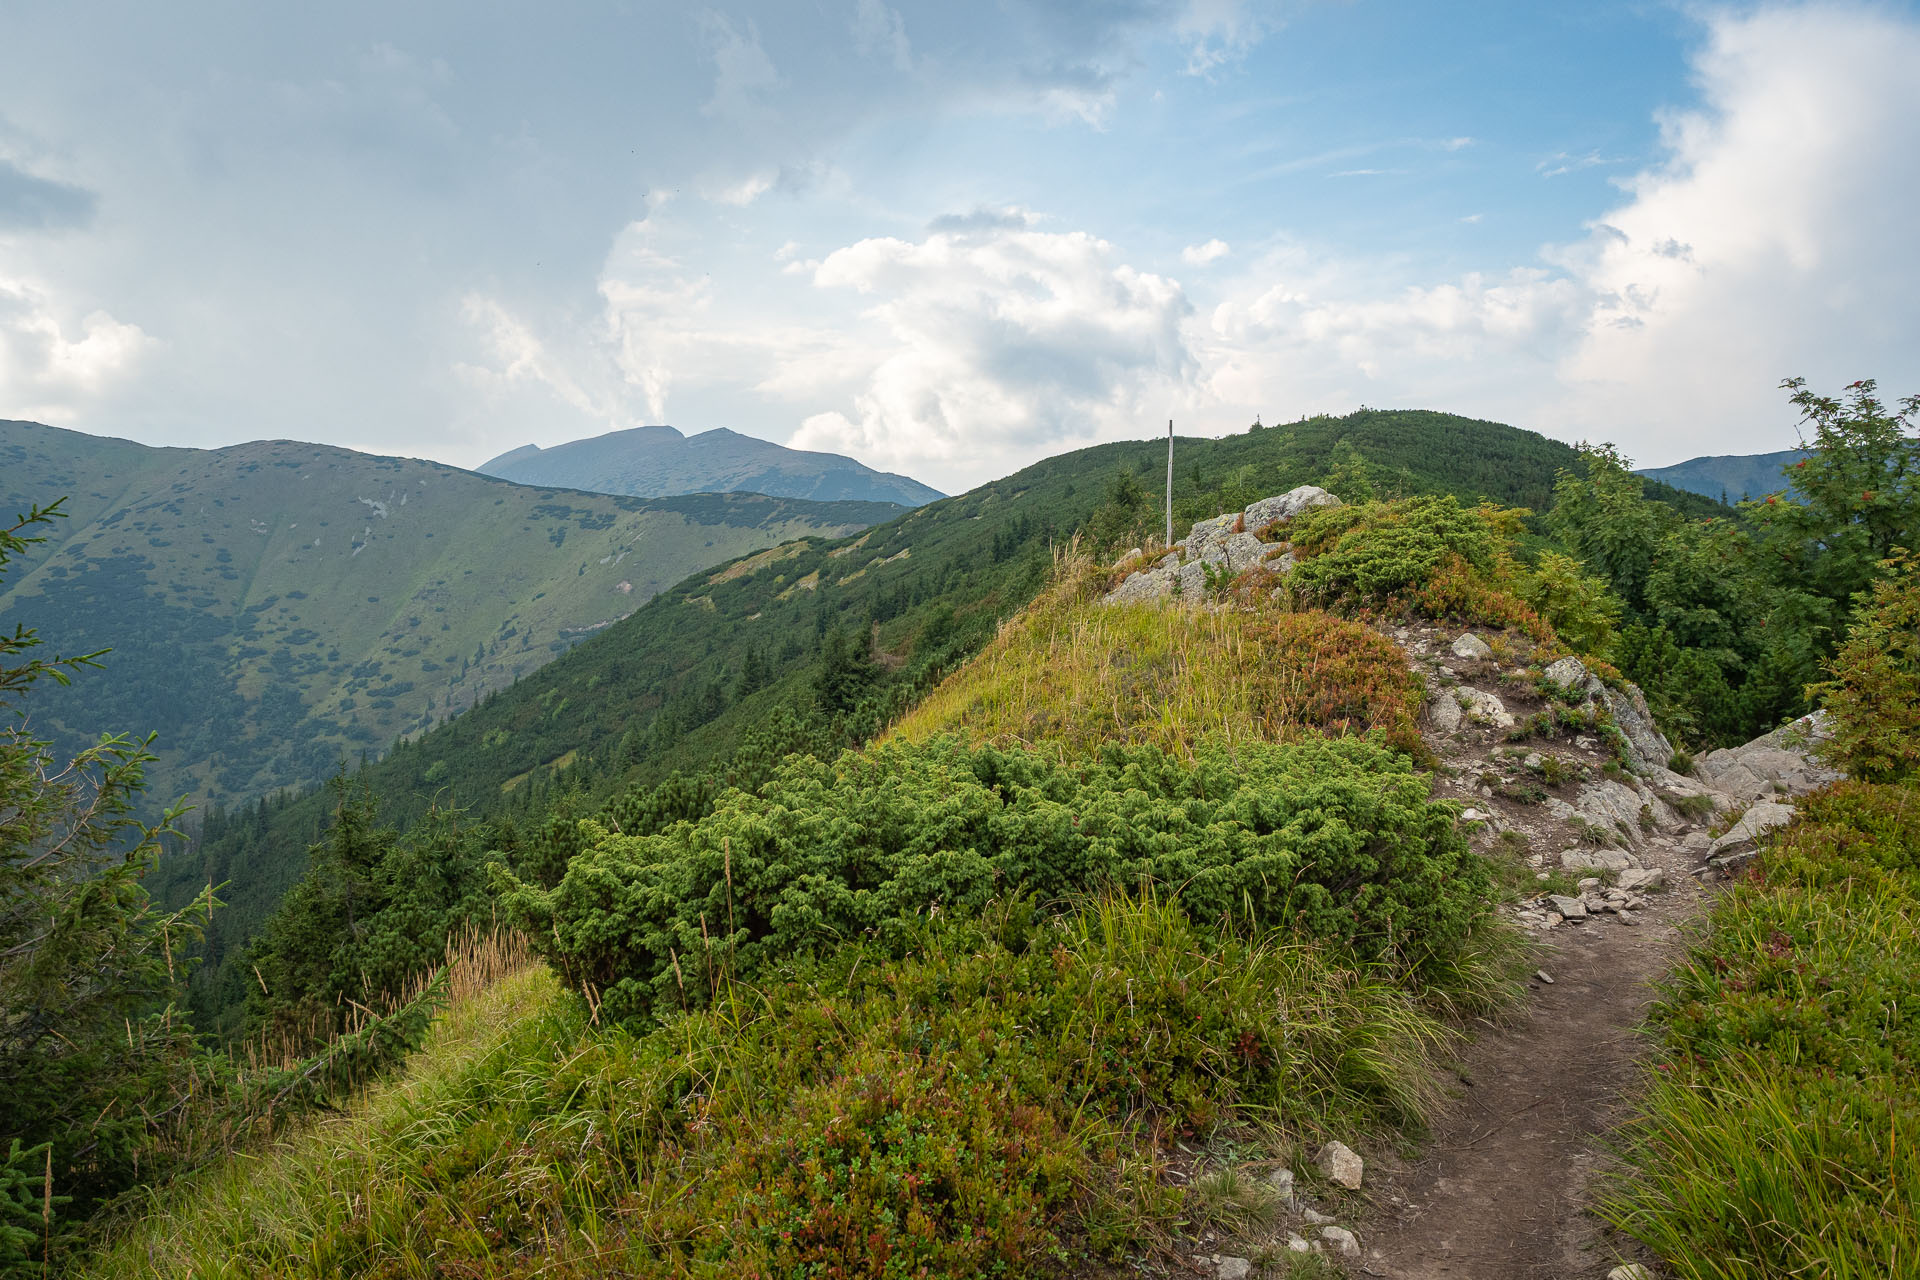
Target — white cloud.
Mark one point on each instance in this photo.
(1199, 255)
(49, 373)
(995, 345)
(880, 31)
(1561, 163)
(743, 73)
(1776, 240)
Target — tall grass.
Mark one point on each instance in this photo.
(1001, 1103)
(1780, 1130)
(1078, 674)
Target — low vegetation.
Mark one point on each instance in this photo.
(1780, 1132)
(999, 1096)
(1081, 675)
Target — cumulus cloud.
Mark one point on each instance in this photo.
(1775, 240)
(1000, 344)
(1199, 255)
(1772, 238)
(50, 372)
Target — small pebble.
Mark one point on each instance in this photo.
(1544, 976)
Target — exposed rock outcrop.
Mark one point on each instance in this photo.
(1229, 544)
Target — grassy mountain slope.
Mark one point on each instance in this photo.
(1090, 979)
(274, 607)
(725, 652)
(651, 462)
(1737, 477)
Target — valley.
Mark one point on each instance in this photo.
(274, 609)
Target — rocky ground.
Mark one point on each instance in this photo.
(1565, 781)
(1569, 786)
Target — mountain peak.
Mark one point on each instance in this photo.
(660, 461)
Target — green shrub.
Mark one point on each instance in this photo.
(1780, 1128)
(1339, 839)
(1579, 607)
(1874, 697)
(1376, 552)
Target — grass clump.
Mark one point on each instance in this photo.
(997, 1102)
(1338, 839)
(1076, 674)
(1780, 1134)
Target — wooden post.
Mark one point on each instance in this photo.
(1169, 482)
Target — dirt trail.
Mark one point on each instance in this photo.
(1503, 1190)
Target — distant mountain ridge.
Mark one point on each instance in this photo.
(275, 607)
(1735, 476)
(651, 462)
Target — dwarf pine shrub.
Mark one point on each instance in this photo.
(1339, 840)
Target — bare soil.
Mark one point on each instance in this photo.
(1505, 1187)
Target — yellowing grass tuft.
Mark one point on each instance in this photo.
(282, 1199)
(1079, 674)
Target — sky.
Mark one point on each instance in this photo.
(950, 239)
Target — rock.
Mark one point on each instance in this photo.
(1754, 823)
(1697, 840)
(1192, 577)
(1342, 1241)
(1634, 879)
(1298, 1245)
(1445, 711)
(1230, 1268)
(1544, 976)
(1781, 760)
(1569, 908)
(1533, 760)
(1126, 556)
(1569, 673)
(1626, 917)
(1207, 532)
(1470, 645)
(1268, 512)
(1630, 1271)
(1243, 552)
(1647, 749)
(1281, 1180)
(1486, 708)
(1340, 1164)
(1473, 815)
(1595, 860)
(1316, 1218)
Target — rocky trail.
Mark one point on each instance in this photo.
(1621, 851)
(1566, 782)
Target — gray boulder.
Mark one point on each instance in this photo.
(1754, 823)
(1268, 512)
(1781, 761)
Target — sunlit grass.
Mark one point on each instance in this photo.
(998, 1103)
(1078, 674)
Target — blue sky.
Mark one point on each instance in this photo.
(950, 239)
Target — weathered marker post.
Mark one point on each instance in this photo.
(1169, 541)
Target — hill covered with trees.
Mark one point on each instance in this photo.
(274, 608)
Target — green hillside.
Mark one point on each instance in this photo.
(741, 649)
(276, 607)
(1729, 477)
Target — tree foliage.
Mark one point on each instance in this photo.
(90, 1044)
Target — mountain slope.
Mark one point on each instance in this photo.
(652, 462)
(274, 607)
(1735, 477)
(745, 649)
